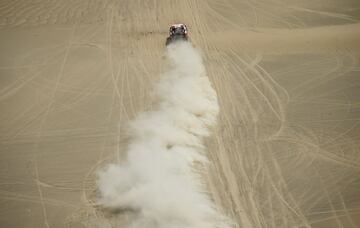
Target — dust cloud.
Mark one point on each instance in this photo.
(158, 180)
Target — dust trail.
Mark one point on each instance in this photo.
(158, 180)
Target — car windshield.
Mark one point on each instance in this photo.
(179, 30)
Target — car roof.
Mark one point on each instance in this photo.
(177, 25)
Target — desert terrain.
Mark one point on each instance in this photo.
(286, 148)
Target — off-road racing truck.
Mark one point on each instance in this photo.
(177, 32)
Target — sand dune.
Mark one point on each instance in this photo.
(75, 74)
(293, 41)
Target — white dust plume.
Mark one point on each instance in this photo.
(158, 179)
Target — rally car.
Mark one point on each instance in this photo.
(177, 32)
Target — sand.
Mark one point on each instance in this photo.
(286, 149)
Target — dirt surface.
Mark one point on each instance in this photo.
(285, 152)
